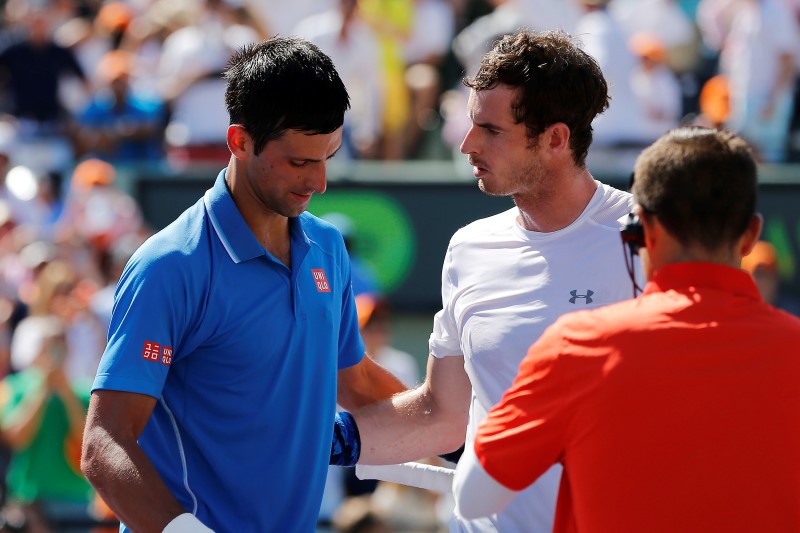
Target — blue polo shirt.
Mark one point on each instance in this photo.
(241, 353)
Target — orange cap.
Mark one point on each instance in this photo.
(762, 255)
(114, 16)
(715, 99)
(93, 172)
(648, 46)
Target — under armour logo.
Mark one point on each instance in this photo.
(587, 296)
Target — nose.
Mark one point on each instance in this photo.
(317, 178)
(467, 145)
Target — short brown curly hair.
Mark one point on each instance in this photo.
(557, 82)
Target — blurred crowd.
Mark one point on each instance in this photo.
(89, 88)
(138, 82)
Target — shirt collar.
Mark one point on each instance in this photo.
(703, 275)
(233, 231)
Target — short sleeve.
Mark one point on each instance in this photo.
(445, 339)
(153, 306)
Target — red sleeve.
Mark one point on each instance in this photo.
(527, 432)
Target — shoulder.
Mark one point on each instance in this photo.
(613, 207)
(177, 246)
(484, 227)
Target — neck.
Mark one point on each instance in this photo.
(269, 228)
(560, 206)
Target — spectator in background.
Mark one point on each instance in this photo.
(654, 86)
(374, 321)
(95, 211)
(57, 290)
(32, 70)
(623, 124)
(714, 102)
(424, 52)
(354, 49)
(190, 68)
(758, 43)
(392, 21)
(42, 414)
(121, 125)
(762, 263)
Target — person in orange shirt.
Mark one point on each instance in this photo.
(674, 411)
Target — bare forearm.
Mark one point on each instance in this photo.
(128, 483)
(366, 383)
(407, 427)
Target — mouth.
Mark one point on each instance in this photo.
(302, 197)
(478, 167)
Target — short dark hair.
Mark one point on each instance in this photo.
(701, 183)
(557, 82)
(284, 83)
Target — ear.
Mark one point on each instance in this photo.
(652, 228)
(557, 137)
(239, 141)
(751, 235)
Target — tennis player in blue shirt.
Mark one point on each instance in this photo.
(212, 404)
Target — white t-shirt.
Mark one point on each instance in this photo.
(501, 287)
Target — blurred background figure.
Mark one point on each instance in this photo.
(654, 86)
(190, 69)
(392, 22)
(354, 48)
(42, 413)
(374, 320)
(762, 263)
(757, 42)
(58, 291)
(121, 125)
(424, 53)
(714, 102)
(32, 71)
(95, 211)
(623, 123)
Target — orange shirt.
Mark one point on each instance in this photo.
(678, 411)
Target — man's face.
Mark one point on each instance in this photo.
(503, 158)
(290, 169)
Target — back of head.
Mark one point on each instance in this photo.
(701, 184)
(284, 84)
(556, 82)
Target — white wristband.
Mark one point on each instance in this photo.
(186, 523)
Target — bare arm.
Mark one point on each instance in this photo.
(426, 421)
(365, 383)
(118, 469)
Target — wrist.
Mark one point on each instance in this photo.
(346, 446)
(186, 523)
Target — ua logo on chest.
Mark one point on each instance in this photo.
(587, 298)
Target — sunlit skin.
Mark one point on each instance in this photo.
(278, 183)
(539, 173)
